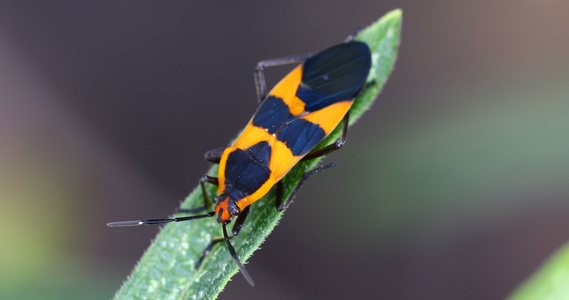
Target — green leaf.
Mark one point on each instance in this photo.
(551, 281)
(166, 271)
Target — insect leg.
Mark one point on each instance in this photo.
(234, 232)
(351, 37)
(337, 145)
(280, 188)
(214, 155)
(207, 202)
(240, 221)
(260, 82)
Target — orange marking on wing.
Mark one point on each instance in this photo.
(221, 169)
(329, 117)
(251, 136)
(282, 160)
(286, 90)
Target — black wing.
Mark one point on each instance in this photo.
(335, 74)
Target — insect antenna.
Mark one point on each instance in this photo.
(158, 221)
(234, 255)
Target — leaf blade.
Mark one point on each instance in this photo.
(550, 281)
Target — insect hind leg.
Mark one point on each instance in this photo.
(260, 82)
(352, 36)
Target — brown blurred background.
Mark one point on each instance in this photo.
(454, 186)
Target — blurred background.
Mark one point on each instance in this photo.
(453, 186)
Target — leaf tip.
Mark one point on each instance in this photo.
(396, 14)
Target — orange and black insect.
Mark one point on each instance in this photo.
(294, 117)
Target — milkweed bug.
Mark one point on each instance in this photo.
(294, 117)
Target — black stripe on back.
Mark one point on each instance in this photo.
(272, 114)
(301, 136)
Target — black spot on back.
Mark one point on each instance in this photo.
(247, 170)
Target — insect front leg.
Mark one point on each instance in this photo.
(234, 232)
(205, 196)
(212, 156)
(260, 82)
